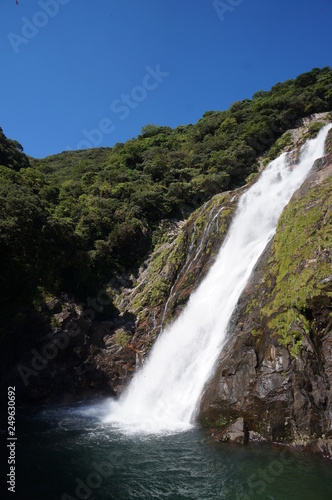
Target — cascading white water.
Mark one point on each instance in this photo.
(164, 394)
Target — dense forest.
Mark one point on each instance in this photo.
(69, 222)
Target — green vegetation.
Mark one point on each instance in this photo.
(219, 422)
(11, 155)
(300, 267)
(55, 322)
(122, 338)
(313, 130)
(278, 147)
(70, 221)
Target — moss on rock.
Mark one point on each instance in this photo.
(300, 265)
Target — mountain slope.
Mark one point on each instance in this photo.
(101, 248)
(87, 207)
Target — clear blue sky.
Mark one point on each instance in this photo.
(83, 65)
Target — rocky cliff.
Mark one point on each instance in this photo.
(272, 380)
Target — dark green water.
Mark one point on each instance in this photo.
(68, 453)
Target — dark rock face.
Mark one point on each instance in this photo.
(278, 379)
(235, 433)
(59, 354)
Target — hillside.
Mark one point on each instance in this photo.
(68, 222)
(101, 248)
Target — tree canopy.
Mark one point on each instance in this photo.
(69, 221)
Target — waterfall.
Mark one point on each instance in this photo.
(165, 392)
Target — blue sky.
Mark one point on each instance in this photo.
(79, 73)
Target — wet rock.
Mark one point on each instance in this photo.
(255, 437)
(235, 433)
